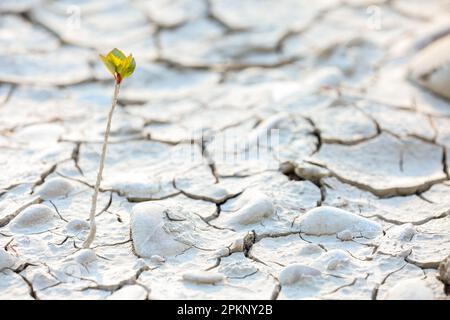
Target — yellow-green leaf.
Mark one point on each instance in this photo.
(127, 67)
(130, 69)
(116, 57)
(118, 64)
(123, 65)
(108, 64)
(119, 54)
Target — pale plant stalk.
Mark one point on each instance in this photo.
(93, 227)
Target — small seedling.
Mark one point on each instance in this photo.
(120, 67)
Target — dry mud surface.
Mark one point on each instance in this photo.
(352, 202)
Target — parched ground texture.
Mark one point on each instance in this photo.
(180, 217)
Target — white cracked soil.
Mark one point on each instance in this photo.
(353, 201)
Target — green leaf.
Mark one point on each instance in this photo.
(108, 64)
(123, 66)
(118, 64)
(128, 67)
(118, 54)
(116, 57)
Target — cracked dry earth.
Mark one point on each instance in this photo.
(352, 203)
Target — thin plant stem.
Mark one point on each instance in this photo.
(93, 227)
